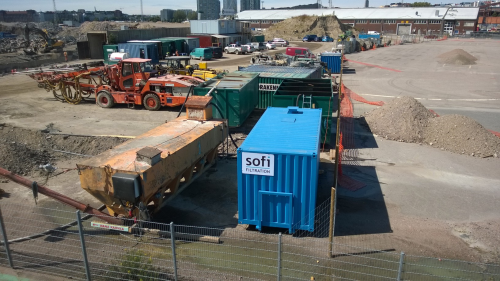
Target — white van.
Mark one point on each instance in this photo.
(258, 46)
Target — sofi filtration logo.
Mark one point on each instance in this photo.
(257, 164)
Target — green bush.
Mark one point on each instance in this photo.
(134, 265)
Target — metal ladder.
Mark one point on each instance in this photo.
(130, 100)
(306, 101)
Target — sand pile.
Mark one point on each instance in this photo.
(405, 119)
(457, 57)
(298, 27)
(461, 134)
(402, 119)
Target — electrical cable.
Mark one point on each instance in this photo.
(187, 96)
(221, 115)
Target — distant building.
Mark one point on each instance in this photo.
(21, 16)
(166, 14)
(187, 11)
(249, 5)
(208, 9)
(229, 8)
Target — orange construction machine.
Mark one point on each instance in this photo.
(131, 81)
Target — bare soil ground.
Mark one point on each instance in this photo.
(418, 199)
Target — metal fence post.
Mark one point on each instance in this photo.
(84, 249)
(279, 256)
(401, 265)
(172, 239)
(5, 240)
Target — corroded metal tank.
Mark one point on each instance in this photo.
(143, 173)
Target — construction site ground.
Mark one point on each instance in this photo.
(417, 199)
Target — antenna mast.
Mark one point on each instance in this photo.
(55, 11)
(142, 12)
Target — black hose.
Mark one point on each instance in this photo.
(222, 116)
(187, 96)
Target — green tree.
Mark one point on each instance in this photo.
(193, 16)
(421, 4)
(155, 18)
(179, 16)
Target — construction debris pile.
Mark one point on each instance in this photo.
(298, 27)
(407, 120)
(23, 151)
(36, 42)
(457, 57)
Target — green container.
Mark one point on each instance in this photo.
(236, 95)
(270, 81)
(108, 50)
(258, 38)
(292, 92)
(167, 46)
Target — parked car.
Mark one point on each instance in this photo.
(216, 52)
(201, 54)
(327, 39)
(280, 42)
(309, 38)
(259, 46)
(250, 47)
(299, 52)
(270, 46)
(235, 49)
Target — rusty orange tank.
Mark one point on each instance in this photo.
(145, 172)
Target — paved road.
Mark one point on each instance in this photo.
(448, 89)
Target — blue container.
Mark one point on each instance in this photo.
(333, 61)
(278, 170)
(366, 36)
(134, 50)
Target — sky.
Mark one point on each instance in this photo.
(153, 7)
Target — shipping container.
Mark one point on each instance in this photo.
(333, 61)
(135, 49)
(213, 26)
(205, 40)
(157, 42)
(108, 50)
(270, 77)
(310, 93)
(188, 43)
(366, 36)
(258, 38)
(235, 95)
(278, 165)
(167, 46)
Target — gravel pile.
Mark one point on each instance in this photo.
(402, 119)
(407, 120)
(461, 134)
(457, 57)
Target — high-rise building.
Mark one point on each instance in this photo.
(209, 9)
(166, 14)
(367, 3)
(229, 7)
(249, 5)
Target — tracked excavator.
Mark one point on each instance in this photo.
(50, 43)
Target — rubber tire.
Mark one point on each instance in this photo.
(227, 52)
(105, 95)
(236, 52)
(156, 99)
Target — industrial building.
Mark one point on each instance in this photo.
(249, 5)
(208, 9)
(220, 32)
(423, 20)
(22, 16)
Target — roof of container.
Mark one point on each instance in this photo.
(280, 131)
(233, 80)
(366, 13)
(278, 69)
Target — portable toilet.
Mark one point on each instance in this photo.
(278, 166)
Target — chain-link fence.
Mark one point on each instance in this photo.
(61, 243)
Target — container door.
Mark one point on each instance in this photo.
(276, 209)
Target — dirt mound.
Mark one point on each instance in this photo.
(457, 57)
(461, 134)
(22, 151)
(298, 27)
(402, 119)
